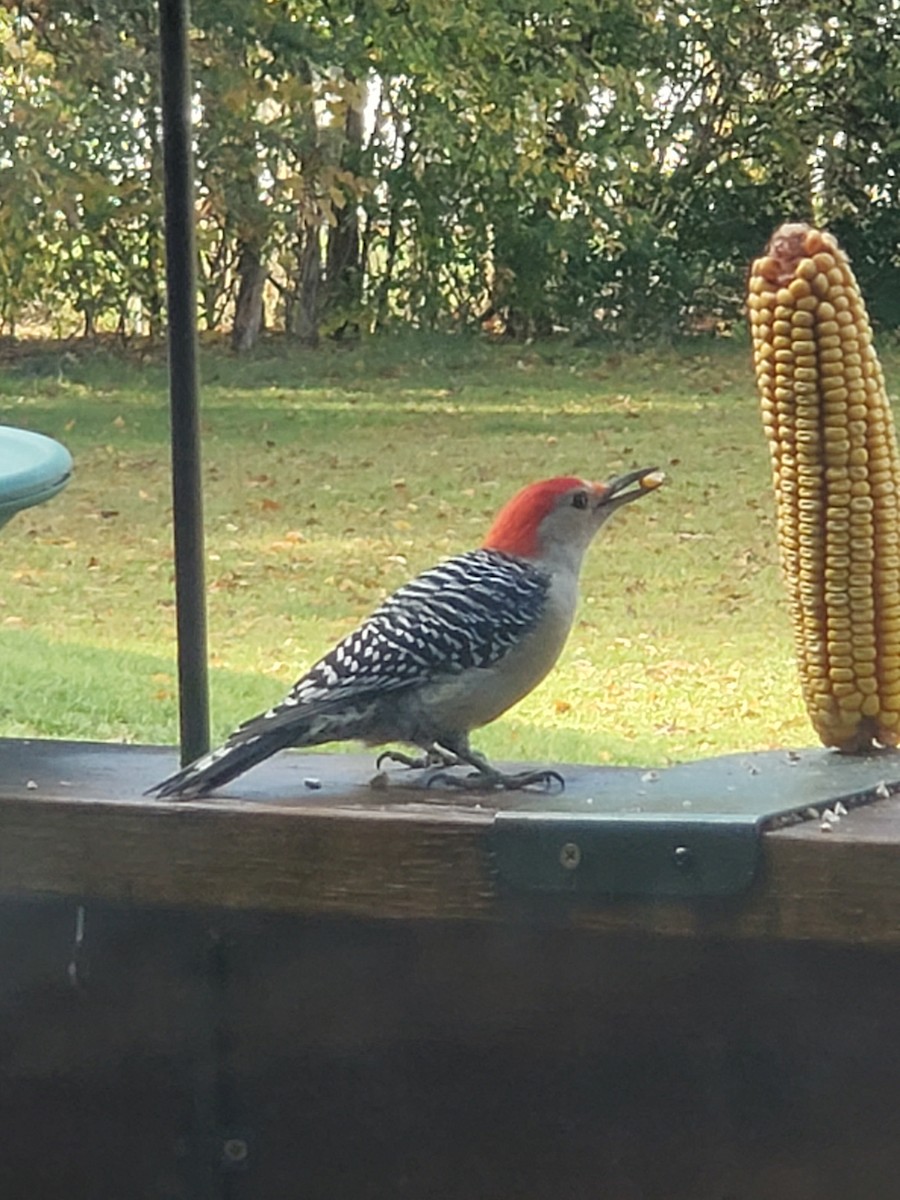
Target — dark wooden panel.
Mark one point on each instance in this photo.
(106, 1053)
(395, 1061)
(83, 830)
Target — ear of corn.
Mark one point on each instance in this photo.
(837, 483)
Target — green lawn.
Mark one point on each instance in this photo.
(332, 477)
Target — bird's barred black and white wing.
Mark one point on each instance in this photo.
(466, 612)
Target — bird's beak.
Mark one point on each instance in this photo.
(625, 488)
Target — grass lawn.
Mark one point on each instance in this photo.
(332, 477)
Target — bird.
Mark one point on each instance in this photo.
(446, 653)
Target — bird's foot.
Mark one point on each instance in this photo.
(496, 781)
(435, 757)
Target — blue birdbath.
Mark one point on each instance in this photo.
(33, 468)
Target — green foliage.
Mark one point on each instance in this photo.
(604, 167)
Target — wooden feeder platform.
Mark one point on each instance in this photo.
(308, 834)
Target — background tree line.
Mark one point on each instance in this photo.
(592, 165)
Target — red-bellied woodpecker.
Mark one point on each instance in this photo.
(446, 653)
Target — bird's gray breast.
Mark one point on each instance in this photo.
(467, 699)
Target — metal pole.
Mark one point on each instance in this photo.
(190, 591)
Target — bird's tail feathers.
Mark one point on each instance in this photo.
(221, 765)
(257, 739)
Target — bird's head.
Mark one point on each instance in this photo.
(555, 520)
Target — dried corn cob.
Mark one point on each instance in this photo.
(837, 483)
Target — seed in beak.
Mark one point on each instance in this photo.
(653, 480)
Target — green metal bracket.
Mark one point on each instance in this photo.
(683, 832)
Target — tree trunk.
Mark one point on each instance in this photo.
(155, 268)
(306, 315)
(343, 268)
(248, 310)
(387, 273)
(155, 255)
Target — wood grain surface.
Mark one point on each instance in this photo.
(307, 834)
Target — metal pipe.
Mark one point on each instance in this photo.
(181, 282)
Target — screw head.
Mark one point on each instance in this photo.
(684, 858)
(570, 856)
(234, 1151)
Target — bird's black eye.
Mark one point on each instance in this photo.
(580, 500)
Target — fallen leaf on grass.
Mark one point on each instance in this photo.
(228, 582)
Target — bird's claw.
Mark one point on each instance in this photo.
(421, 762)
(480, 781)
(546, 778)
(397, 756)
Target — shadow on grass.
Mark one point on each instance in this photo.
(72, 690)
(79, 692)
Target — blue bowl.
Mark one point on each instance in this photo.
(33, 468)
